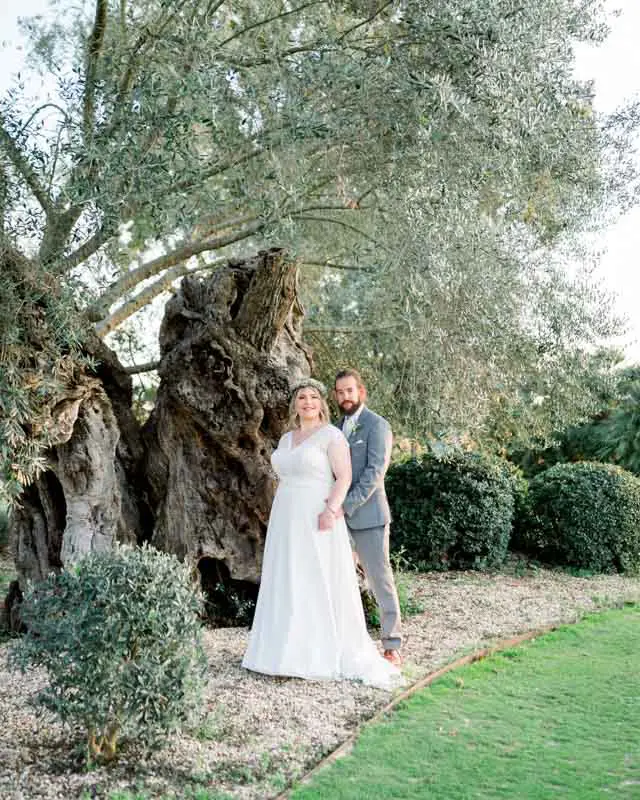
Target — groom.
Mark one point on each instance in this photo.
(365, 507)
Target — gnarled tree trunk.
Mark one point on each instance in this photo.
(94, 491)
(231, 347)
(197, 480)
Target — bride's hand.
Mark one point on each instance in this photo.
(326, 520)
(337, 514)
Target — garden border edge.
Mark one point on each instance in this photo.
(478, 655)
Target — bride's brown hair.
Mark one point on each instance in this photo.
(294, 418)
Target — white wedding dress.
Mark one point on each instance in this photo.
(309, 621)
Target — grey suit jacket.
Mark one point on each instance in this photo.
(366, 505)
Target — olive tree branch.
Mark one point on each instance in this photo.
(267, 20)
(333, 265)
(94, 49)
(147, 270)
(24, 168)
(306, 218)
(149, 293)
(366, 21)
(138, 369)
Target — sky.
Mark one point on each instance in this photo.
(615, 69)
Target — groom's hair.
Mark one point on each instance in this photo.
(349, 373)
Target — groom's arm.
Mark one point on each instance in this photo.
(379, 444)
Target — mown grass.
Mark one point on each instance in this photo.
(556, 717)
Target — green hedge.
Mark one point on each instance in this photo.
(453, 512)
(586, 515)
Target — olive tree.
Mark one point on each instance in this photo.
(416, 160)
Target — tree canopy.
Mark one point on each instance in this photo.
(420, 160)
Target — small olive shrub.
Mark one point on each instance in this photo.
(586, 515)
(120, 638)
(451, 512)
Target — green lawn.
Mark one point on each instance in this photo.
(558, 717)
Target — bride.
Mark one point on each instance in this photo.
(309, 621)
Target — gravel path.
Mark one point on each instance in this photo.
(260, 732)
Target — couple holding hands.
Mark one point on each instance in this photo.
(309, 620)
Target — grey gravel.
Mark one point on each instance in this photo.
(260, 733)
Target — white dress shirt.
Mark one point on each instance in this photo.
(350, 422)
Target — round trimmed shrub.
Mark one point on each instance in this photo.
(451, 512)
(119, 636)
(586, 515)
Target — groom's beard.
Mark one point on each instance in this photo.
(348, 408)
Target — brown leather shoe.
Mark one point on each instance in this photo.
(393, 656)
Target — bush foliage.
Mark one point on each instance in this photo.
(586, 515)
(611, 434)
(452, 512)
(119, 637)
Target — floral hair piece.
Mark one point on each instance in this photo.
(311, 383)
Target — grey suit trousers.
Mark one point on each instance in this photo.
(372, 547)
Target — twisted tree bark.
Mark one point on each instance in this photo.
(196, 480)
(230, 347)
(93, 492)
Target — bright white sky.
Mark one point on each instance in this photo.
(615, 68)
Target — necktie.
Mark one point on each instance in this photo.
(349, 425)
